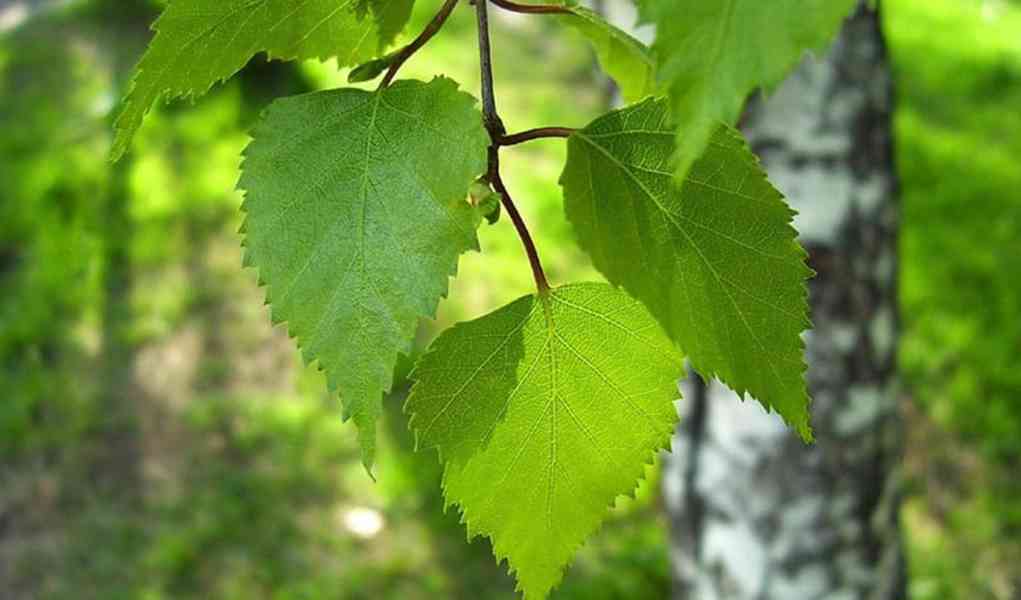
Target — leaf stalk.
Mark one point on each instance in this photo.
(541, 283)
(536, 134)
(427, 34)
(533, 9)
(497, 131)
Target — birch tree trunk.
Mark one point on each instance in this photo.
(755, 513)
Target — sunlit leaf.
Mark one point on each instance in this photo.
(628, 61)
(544, 412)
(201, 42)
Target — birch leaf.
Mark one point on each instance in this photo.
(199, 43)
(544, 412)
(357, 212)
(712, 55)
(715, 259)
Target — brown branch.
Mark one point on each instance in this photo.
(535, 134)
(496, 132)
(489, 115)
(541, 283)
(427, 34)
(532, 9)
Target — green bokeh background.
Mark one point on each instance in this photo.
(158, 439)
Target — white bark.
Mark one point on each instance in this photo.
(756, 514)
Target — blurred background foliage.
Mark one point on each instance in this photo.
(160, 440)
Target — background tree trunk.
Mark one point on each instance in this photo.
(755, 513)
(116, 467)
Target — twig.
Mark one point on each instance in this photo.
(535, 134)
(534, 9)
(427, 34)
(492, 119)
(496, 132)
(519, 224)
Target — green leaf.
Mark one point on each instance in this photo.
(390, 16)
(486, 200)
(490, 208)
(715, 260)
(712, 55)
(544, 412)
(372, 69)
(356, 213)
(628, 61)
(201, 42)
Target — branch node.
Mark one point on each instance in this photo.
(497, 132)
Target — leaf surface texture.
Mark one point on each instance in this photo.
(715, 259)
(712, 55)
(544, 412)
(201, 42)
(357, 212)
(628, 61)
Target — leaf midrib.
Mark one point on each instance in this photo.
(670, 216)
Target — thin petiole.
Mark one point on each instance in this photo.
(535, 134)
(427, 34)
(496, 133)
(533, 9)
(541, 283)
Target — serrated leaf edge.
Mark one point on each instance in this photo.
(248, 261)
(501, 556)
(125, 133)
(804, 429)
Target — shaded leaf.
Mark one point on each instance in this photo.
(712, 55)
(356, 214)
(390, 16)
(716, 261)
